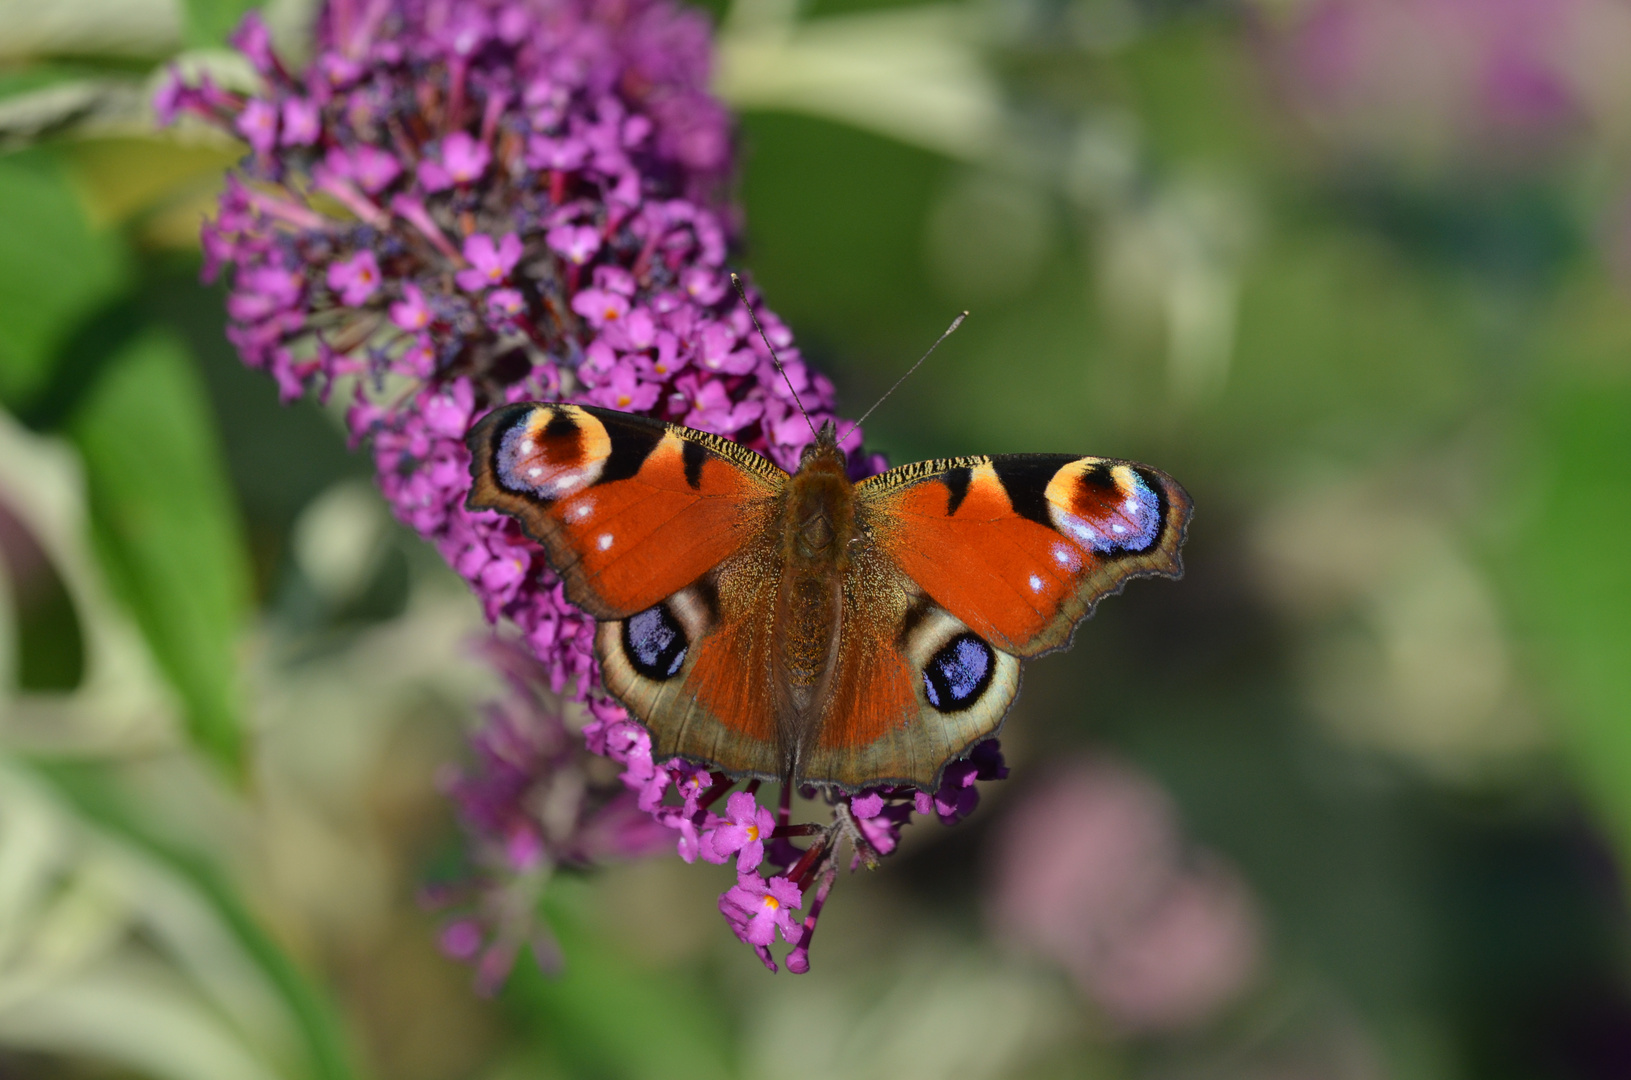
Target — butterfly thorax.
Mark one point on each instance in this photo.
(819, 517)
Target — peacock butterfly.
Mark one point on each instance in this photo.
(805, 627)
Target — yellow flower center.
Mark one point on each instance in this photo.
(772, 903)
(753, 833)
(622, 400)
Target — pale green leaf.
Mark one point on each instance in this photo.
(54, 270)
(167, 528)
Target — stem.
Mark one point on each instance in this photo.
(784, 808)
(798, 961)
(781, 832)
(807, 863)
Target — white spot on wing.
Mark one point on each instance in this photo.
(1118, 529)
(1036, 583)
(1067, 557)
(526, 446)
(604, 541)
(1080, 529)
(1131, 505)
(583, 509)
(535, 471)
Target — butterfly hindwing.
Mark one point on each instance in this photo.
(914, 688)
(1020, 547)
(695, 668)
(629, 510)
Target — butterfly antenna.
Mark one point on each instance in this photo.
(955, 323)
(774, 358)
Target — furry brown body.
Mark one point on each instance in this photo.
(817, 522)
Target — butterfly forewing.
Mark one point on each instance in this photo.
(629, 510)
(1021, 547)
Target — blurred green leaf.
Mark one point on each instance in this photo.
(54, 268)
(38, 77)
(1576, 586)
(209, 22)
(94, 791)
(124, 178)
(607, 1015)
(166, 526)
(50, 648)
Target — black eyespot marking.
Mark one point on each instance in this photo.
(560, 425)
(693, 454)
(1100, 479)
(513, 433)
(1025, 478)
(959, 673)
(631, 445)
(655, 643)
(956, 481)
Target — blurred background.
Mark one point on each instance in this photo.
(1352, 801)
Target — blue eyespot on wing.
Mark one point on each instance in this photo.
(958, 674)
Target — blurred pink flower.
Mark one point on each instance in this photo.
(1438, 81)
(1092, 871)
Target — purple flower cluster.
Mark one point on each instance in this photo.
(465, 203)
(760, 905)
(534, 801)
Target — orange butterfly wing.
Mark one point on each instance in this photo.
(629, 510)
(1021, 547)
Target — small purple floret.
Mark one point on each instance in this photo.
(757, 908)
(355, 279)
(746, 827)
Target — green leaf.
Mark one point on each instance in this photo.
(28, 80)
(50, 646)
(94, 791)
(166, 528)
(210, 21)
(54, 269)
(605, 1014)
(1575, 585)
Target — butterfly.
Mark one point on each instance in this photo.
(802, 627)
